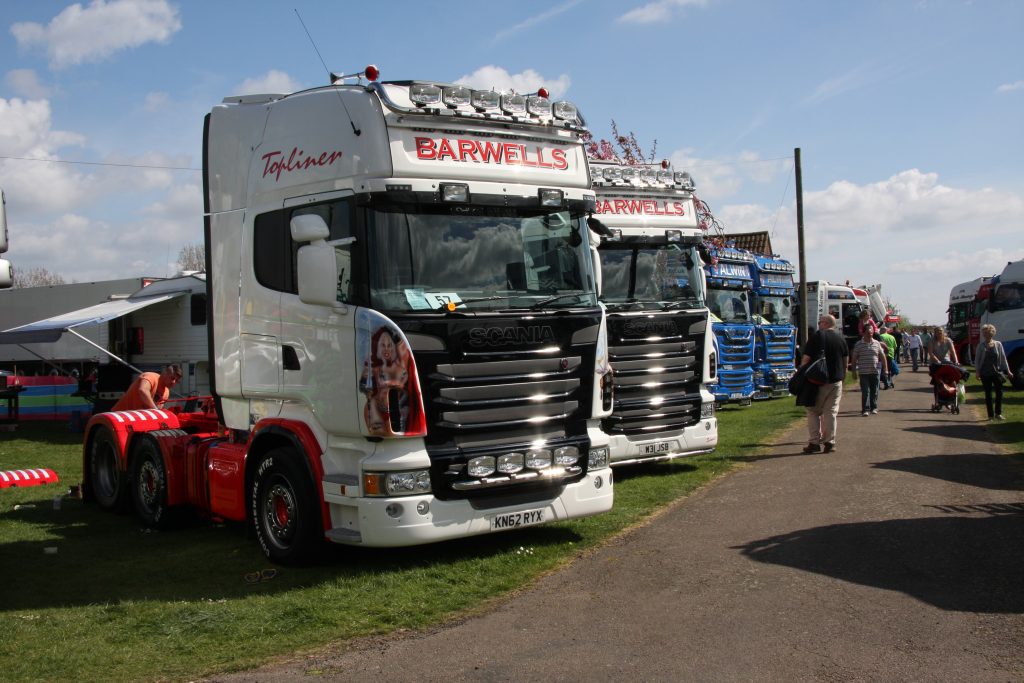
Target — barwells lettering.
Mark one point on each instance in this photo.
(274, 163)
(507, 336)
(650, 207)
(485, 152)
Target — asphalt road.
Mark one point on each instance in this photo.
(900, 557)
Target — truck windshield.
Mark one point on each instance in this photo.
(650, 277)
(729, 305)
(774, 310)
(477, 258)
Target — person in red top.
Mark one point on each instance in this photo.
(150, 389)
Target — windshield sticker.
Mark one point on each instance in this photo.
(388, 381)
(442, 299)
(417, 300)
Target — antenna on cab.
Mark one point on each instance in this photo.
(329, 74)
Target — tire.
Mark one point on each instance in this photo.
(285, 509)
(148, 483)
(106, 479)
(1017, 371)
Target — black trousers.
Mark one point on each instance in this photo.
(993, 385)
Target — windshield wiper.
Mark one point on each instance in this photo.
(679, 303)
(551, 299)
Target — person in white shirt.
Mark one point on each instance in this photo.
(915, 345)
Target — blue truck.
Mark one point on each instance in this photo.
(775, 333)
(730, 286)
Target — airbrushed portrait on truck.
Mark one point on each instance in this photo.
(405, 335)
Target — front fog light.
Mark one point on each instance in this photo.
(707, 410)
(566, 455)
(481, 466)
(423, 507)
(538, 458)
(394, 510)
(510, 463)
(597, 458)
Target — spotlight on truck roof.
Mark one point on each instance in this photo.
(482, 100)
(538, 105)
(454, 192)
(683, 178)
(423, 94)
(455, 95)
(512, 103)
(564, 111)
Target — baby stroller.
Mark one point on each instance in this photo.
(947, 380)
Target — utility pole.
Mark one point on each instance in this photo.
(802, 330)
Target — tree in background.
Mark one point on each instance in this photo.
(192, 257)
(36, 277)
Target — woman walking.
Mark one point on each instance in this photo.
(941, 350)
(990, 362)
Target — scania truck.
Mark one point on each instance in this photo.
(405, 335)
(775, 347)
(840, 302)
(659, 337)
(729, 297)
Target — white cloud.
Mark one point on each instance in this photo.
(26, 83)
(1010, 87)
(899, 232)
(661, 10)
(272, 82)
(528, 81)
(95, 32)
(720, 178)
(155, 101)
(536, 19)
(862, 76)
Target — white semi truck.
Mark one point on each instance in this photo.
(405, 334)
(660, 339)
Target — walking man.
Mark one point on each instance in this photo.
(821, 417)
(864, 361)
(915, 345)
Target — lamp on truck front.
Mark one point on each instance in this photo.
(481, 466)
(513, 104)
(566, 455)
(538, 106)
(538, 458)
(484, 99)
(455, 96)
(423, 94)
(549, 197)
(510, 463)
(454, 192)
(564, 111)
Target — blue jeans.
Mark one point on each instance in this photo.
(913, 357)
(868, 392)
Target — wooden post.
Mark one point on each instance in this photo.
(802, 329)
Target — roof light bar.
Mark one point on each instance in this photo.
(538, 106)
(483, 100)
(564, 111)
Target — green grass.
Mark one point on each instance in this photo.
(1010, 432)
(116, 603)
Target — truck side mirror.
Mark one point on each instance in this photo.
(309, 227)
(598, 227)
(318, 274)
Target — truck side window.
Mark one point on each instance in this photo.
(271, 243)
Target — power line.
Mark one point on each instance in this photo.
(102, 163)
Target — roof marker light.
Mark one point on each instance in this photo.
(543, 92)
(371, 72)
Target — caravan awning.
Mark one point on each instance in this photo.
(51, 329)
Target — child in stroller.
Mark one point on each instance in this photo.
(947, 379)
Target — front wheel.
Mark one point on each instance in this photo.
(285, 511)
(106, 479)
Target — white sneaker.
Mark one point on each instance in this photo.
(1000, 417)
(875, 411)
(864, 414)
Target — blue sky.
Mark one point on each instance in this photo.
(909, 114)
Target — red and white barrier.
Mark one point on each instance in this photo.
(20, 478)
